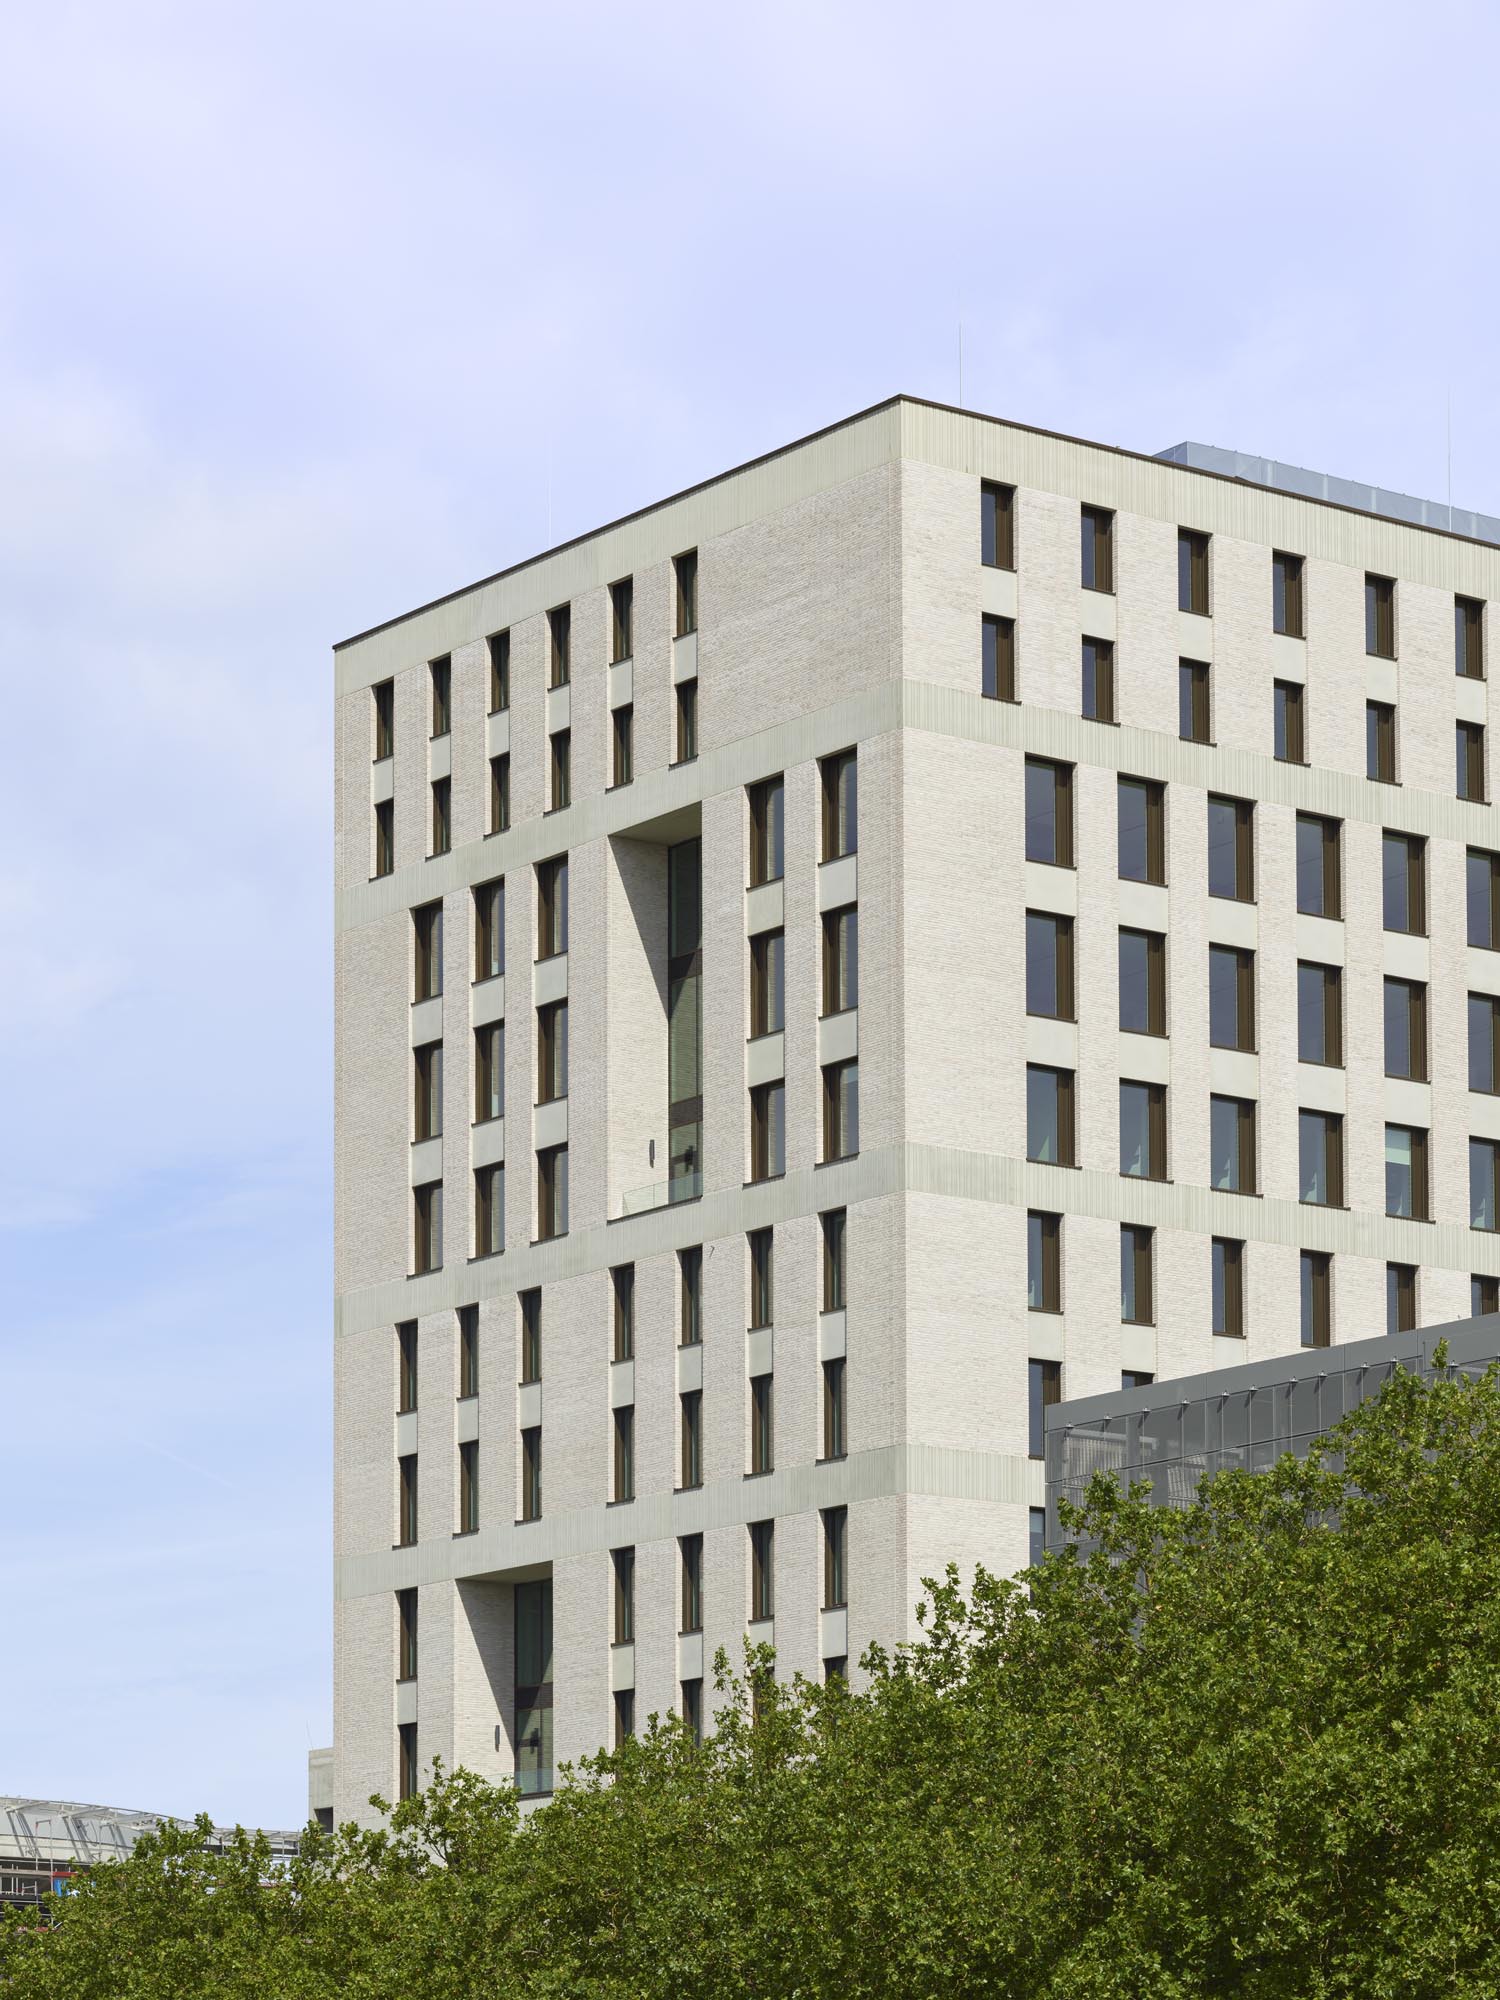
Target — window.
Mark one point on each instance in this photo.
(1049, 812)
(559, 645)
(427, 1227)
(1469, 742)
(499, 651)
(1043, 1262)
(1142, 830)
(1484, 1184)
(552, 1052)
(441, 674)
(685, 593)
(383, 701)
(406, 1500)
(385, 837)
(1228, 1286)
(834, 1433)
(552, 1193)
(1143, 982)
(687, 722)
(622, 745)
(840, 960)
(531, 1473)
(840, 1110)
(530, 1303)
(1286, 594)
(1097, 551)
(1231, 997)
(1468, 638)
(1137, 1305)
(1320, 1158)
(690, 1295)
(1231, 849)
(1231, 1128)
(489, 930)
(762, 1424)
(442, 816)
(767, 983)
(1320, 1024)
(468, 1352)
(835, 1540)
(427, 1108)
(997, 658)
(624, 1704)
(762, 1570)
(489, 1072)
(622, 1562)
(834, 1226)
(1043, 1389)
(560, 769)
(533, 1679)
(1133, 1378)
(1192, 701)
(468, 1488)
(1484, 1042)
(1406, 1172)
(1192, 571)
(767, 1131)
(427, 935)
(406, 1760)
(690, 1437)
(406, 1366)
(489, 1210)
(624, 1457)
(500, 793)
(1482, 883)
(1049, 1115)
(1380, 617)
(1099, 680)
(1037, 1529)
(621, 619)
(622, 1288)
(1400, 1297)
(1406, 1029)
(406, 1635)
(1318, 866)
(997, 525)
(762, 1245)
(767, 831)
(1403, 884)
(691, 1548)
(1380, 742)
(1143, 1131)
(1484, 1294)
(1290, 740)
(552, 907)
(1049, 965)
(840, 776)
(1317, 1318)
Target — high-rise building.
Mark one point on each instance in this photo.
(937, 919)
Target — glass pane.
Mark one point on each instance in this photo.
(1313, 1156)
(1395, 883)
(1035, 1263)
(1224, 1142)
(1041, 963)
(1041, 812)
(1135, 983)
(1481, 1184)
(1480, 932)
(1135, 1129)
(1222, 874)
(1310, 866)
(1481, 1042)
(1397, 1028)
(1127, 1275)
(1132, 810)
(1398, 1170)
(1311, 1039)
(1042, 1134)
(1223, 997)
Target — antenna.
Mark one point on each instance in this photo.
(1450, 458)
(960, 359)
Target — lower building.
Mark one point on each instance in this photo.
(44, 1843)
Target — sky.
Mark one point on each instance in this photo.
(311, 313)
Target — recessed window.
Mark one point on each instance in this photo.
(840, 777)
(427, 1093)
(1097, 548)
(1099, 680)
(840, 960)
(441, 675)
(762, 1570)
(489, 929)
(408, 1770)
(427, 1227)
(498, 644)
(1406, 1172)
(406, 1635)
(1142, 830)
(532, 1657)
(500, 793)
(1400, 1298)
(767, 831)
(1406, 1029)
(834, 1223)
(1290, 738)
(840, 1110)
(1192, 571)
(1132, 1378)
(1380, 742)
(767, 983)
(1482, 889)
(1317, 1286)
(1192, 701)
(997, 534)
(690, 1439)
(1484, 1294)
(690, 1295)
(531, 1473)
(622, 1562)
(406, 1500)
(1049, 965)
(1469, 760)
(442, 816)
(622, 1315)
(624, 1454)
(690, 1548)
(685, 593)
(1043, 1390)
(530, 1306)
(1380, 617)
(1143, 982)
(1228, 1286)
(1320, 1015)
(1231, 849)
(552, 1192)
(1468, 638)
(621, 620)
(559, 645)
(468, 1352)
(997, 658)
(552, 907)
(767, 1131)
(622, 744)
(1049, 812)
(468, 1487)
(1484, 1042)
(1403, 883)
(1143, 1131)
(383, 700)
(1318, 893)
(385, 837)
(1484, 1184)
(1286, 594)
(427, 940)
(406, 1366)
(1043, 1261)
(687, 721)
(1320, 1158)
(1231, 1144)
(560, 769)
(834, 1410)
(1231, 997)
(552, 1052)
(1137, 1289)
(762, 1424)
(835, 1558)
(1049, 1115)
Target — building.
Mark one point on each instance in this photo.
(45, 1842)
(938, 918)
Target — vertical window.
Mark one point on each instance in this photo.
(690, 1428)
(1192, 571)
(1317, 1316)
(1400, 1297)
(530, 1303)
(684, 1019)
(489, 929)
(383, 701)
(1469, 746)
(468, 1488)
(835, 1232)
(624, 1456)
(835, 1573)
(531, 1473)
(622, 745)
(427, 937)
(1142, 830)
(997, 535)
(1192, 701)
(1406, 1172)
(1286, 594)
(552, 1192)
(691, 1547)
(621, 620)
(687, 722)
(1049, 1115)
(406, 1760)
(762, 1245)
(840, 960)
(1318, 866)
(1380, 742)
(1231, 849)
(406, 1366)
(622, 1561)
(489, 1072)
(1037, 1535)
(622, 1290)
(1484, 1294)
(624, 1702)
(1406, 1029)
(762, 1570)
(1099, 680)
(840, 775)
(685, 593)
(500, 793)
(1484, 1042)
(834, 1433)
(552, 1052)
(767, 983)
(533, 1675)
(1231, 997)
(499, 651)
(1097, 548)
(1403, 887)
(552, 907)
(767, 1131)
(406, 1635)
(427, 1227)
(840, 1110)
(1484, 1184)
(1143, 1130)
(1049, 812)
(427, 1109)
(1290, 742)
(559, 645)
(406, 1500)
(1380, 617)
(690, 1295)
(468, 1352)
(762, 1424)
(767, 831)
(1137, 1303)
(1043, 1389)
(1049, 965)
(1228, 1286)
(1043, 1262)
(441, 673)
(997, 658)
(1482, 884)
(442, 816)
(1143, 982)
(1320, 1158)
(385, 837)
(560, 768)
(1468, 638)
(489, 1210)
(1231, 1127)
(1320, 1014)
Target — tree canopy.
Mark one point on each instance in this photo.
(1249, 1748)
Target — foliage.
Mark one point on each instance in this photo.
(1251, 1748)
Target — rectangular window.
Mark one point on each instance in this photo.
(1098, 680)
(1142, 830)
(385, 837)
(489, 1072)
(1143, 1130)
(624, 1704)
(1043, 1262)
(835, 1571)
(1318, 866)
(1228, 1286)
(406, 1366)
(1484, 1294)
(1133, 1378)
(468, 1352)
(1049, 965)
(552, 1193)
(498, 644)
(691, 1547)
(489, 929)
(997, 525)
(1380, 742)
(1484, 1184)
(1037, 1522)
(687, 722)
(406, 1500)
(427, 1107)
(1469, 742)
(552, 1052)
(1192, 571)
(762, 1424)
(427, 938)
(622, 745)
(1484, 1042)
(530, 1303)
(406, 1635)
(1468, 638)
(1097, 548)
(1231, 1129)
(427, 1227)
(1231, 849)
(767, 1131)
(1043, 1389)
(442, 816)
(531, 1473)
(1137, 1303)
(559, 645)
(762, 1246)
(624, 1457)
(1320, 1158)
(1231, 997)
(441, 673)
(685, 593)
(622, 1289)
(1406, 1172)
(621, 620)
(1317, 1315)
(468, 1488)
(1049, 812)
(834, 1433)
(1482, 884)
(767, 831)
(552, 907)
(1320, 1014)
(1290, 744)
(533, 1678)
(1403, 884)
(834, 1225)
(767, 983)
(1406, 1029)
(622, 1562)
(690, 1295)
(762, 1570)
(841, 1110)
(500, 793)
(840, 960)
(383, 701)
(840, 776)
(1049, 1115)
(690, 1439)
(407, 1772)
(489, 1210)
(560, 769)
(1400, 1298)
(1380, 617)
(997, 658)
(1286, 594)
(1193, 724)
(1143, 982)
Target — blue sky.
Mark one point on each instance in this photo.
(308, 314)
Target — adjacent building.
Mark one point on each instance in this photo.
(939, 918)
